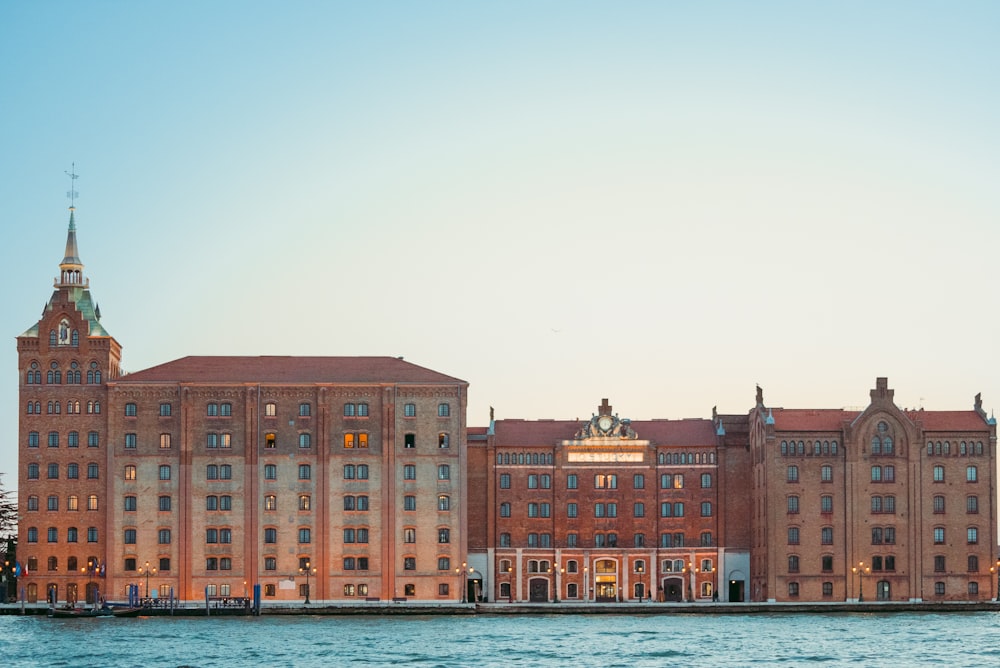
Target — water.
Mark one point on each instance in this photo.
(898, 640)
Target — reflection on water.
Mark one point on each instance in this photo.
(917, 639)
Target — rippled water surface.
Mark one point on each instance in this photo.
(918, 639)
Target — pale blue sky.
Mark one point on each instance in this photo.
(662, 203)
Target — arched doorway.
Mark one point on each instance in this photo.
(673, 589)
(71, 593)
(92, 591)
(883, 590)
(52, 593)
(606, 581)
(538, 590)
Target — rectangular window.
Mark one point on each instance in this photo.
(793, 504)
(409, 502)
(165, 472)
(571, 510)
(505, 480)
(93, 440)
(305, 472)
(130, 441)
(270, 472)
(571, 481)
(164, 410)
(164, 503)
(409, 440)
(164, 441)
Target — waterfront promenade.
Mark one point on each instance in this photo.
(194, 609)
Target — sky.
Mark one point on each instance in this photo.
(661, 203)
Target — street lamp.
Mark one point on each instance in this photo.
(861, 570)
(639, 570)
(586, 584)
(148, 571)
(460, 572)
(510, 584)
(998, 579)
(552, 582)
(308, 570)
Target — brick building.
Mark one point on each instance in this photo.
(213, 474)
(607, 509)
(877, 503)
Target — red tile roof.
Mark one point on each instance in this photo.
(549, 432)
(290, 370)
(833, 419)
(949, 420)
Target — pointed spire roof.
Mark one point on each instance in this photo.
(71, 267)
(72, 258)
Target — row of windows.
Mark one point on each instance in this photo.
(74, 376)
(667, 540)
(93, 565)
(410, 410)
(826, 563)
(72, 502)
(52, 535)
(963, 449)
(72, 439)
(826, 535)
(546, 459)
(225, 409)
(971, 504)
(971, 474)
(605, 481)
(73, 407)
(971, 535)
(882, 588)
(72, 471)
(225, 472)
(819, 448)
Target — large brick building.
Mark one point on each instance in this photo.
(360, 477)
(213, 474)
(608, 509)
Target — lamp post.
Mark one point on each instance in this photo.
(460, 572)
(639, 570)
(148, 571)
(308, 570)
(586, 583)
(552, 582)
(510, 584)
(998, 579)
(861, 570)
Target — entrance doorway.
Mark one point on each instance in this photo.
(474, 589)
(673, 589)
(71, 594)
(736, 591)
(883, 590)
(538, 590)
(606, 581)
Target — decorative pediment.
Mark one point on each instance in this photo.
(606, 424)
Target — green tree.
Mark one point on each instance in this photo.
(8, 513)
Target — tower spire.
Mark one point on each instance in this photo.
(71, 268)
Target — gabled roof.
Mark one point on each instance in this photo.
(290, 370)
(659, 432)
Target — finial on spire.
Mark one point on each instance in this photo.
(72, 194)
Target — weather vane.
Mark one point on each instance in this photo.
(72, 194)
